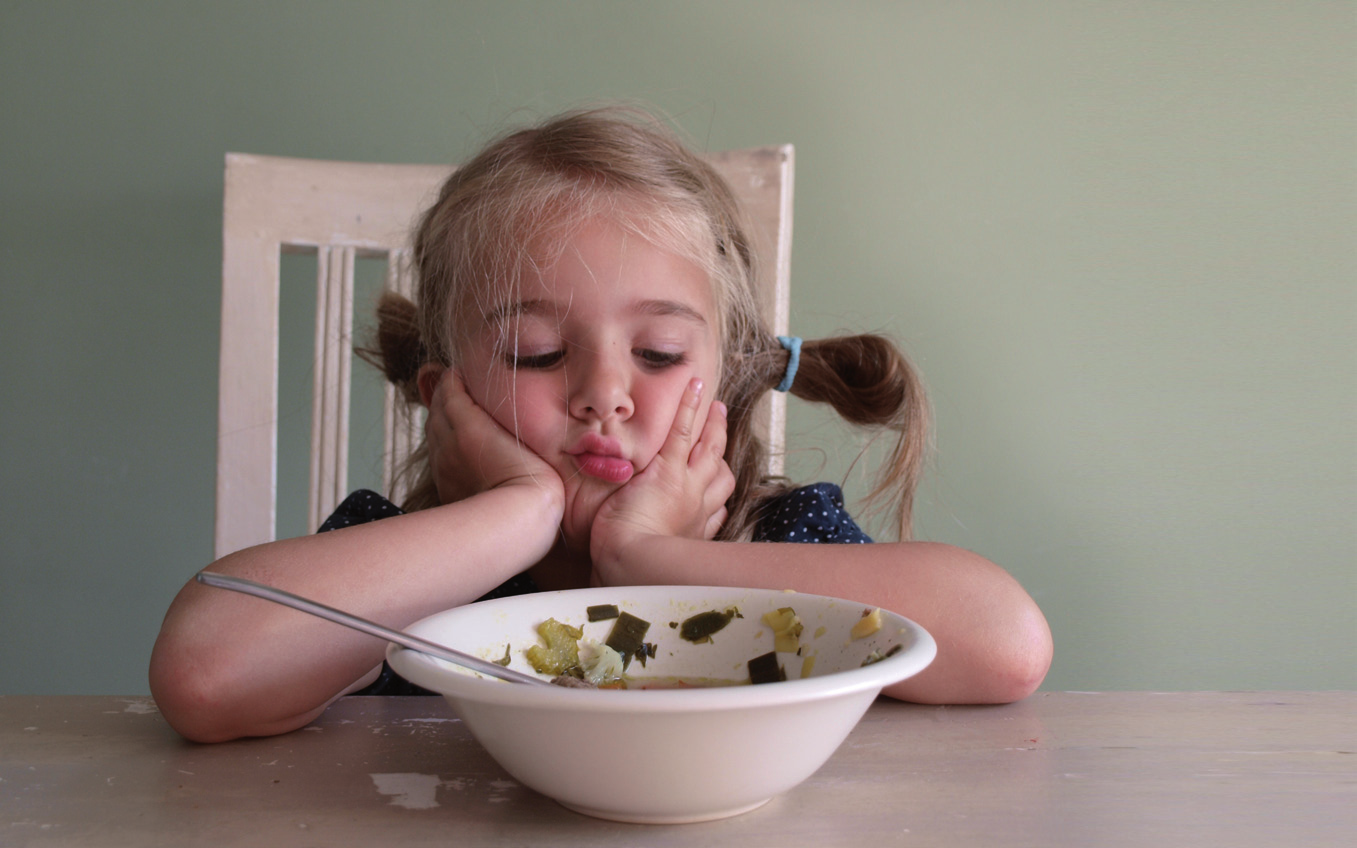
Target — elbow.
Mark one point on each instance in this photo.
(189, 699)
(1022, 662)
(204, 702)
(1005, 662)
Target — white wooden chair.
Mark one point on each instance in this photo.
(340, 211)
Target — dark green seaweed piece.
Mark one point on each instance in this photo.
(764, 669)
(507, 659)
(646, 652)
(601, 612)
(627, 635)
(700, 627)
(878, 656)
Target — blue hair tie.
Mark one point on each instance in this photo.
(793, 346)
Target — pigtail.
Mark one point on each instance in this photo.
(870, 383)
(396, 349)
(866, 380)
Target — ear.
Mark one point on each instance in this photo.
(430, 373)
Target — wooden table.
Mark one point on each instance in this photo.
(1062, 768)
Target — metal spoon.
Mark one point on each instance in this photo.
(424, 646)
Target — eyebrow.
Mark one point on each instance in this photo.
(671, 307)
(658, 307)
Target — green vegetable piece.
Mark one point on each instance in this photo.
(700, 627)
(645, 652)
(601, 612)
(765, 669)
(507, 659)
(878, 656)
(561, 653)
(627, 634)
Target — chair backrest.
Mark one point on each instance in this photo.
(340, 211)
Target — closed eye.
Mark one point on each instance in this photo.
(658, 359)
(539, 361)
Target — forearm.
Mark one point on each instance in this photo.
(994, 645)
(227, 665)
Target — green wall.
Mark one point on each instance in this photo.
(1118, 237)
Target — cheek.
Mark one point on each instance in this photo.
(527, 407)
(661, 403)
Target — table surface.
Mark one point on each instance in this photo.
(1060, 768)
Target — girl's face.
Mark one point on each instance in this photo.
(588, 364)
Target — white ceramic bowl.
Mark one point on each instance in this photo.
(667, 755)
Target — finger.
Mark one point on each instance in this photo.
(724, 484)
(679, 442)
(461, 406)
(712, 444)
(714, 524)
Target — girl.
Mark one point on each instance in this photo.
(588, 347)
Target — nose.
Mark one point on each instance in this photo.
(600, 387)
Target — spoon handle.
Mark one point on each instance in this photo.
(287, 599)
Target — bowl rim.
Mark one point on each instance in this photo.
(454, 685)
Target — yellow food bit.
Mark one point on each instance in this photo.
(561, 652)
(787, 629)
(807, 665)
(867, 625)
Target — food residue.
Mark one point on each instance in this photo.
(574, 661)
(807, 666)
(627, 636)
(600, 664)
(561, 652)
(867, 625)
(878, 656)
(766, 669)
(787, 629)
(601, 612)
(699, 628)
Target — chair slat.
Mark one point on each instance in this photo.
(331, 386)
(403, 422)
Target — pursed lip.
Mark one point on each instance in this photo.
(593, 443)
(601, 457)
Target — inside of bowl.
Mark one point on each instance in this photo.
(824, 643)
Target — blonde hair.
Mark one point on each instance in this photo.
(519, 202)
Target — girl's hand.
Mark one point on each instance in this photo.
(469, 452)
(682, 492)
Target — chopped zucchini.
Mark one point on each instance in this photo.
(867, 625)
(807, 666)
(561, 652)
(787, 629)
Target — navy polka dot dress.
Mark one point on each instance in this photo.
(812, 514)
(363, 506)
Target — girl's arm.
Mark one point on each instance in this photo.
(226, 665)
(994, 645)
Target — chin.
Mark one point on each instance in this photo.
(581, 507)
